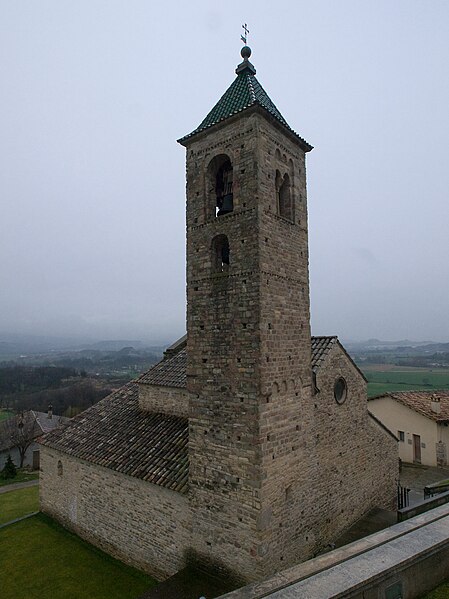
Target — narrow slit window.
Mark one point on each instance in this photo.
(221, 253)
(284, 196)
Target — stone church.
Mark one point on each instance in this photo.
(249, 447)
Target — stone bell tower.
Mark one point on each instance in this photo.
(249, 348)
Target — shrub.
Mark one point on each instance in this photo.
(9, 469)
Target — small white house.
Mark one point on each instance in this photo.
(420, 419)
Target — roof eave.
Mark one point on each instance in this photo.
(382, 425)
(352, 361)
(255, 107)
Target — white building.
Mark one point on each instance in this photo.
(420, 420)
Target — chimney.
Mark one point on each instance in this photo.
(50, 411)
(435, 404)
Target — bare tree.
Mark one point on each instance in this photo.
(20, 431)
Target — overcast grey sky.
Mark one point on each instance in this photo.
(92, 182)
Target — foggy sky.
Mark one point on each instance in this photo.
(92, 182)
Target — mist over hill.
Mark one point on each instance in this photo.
(15, 346)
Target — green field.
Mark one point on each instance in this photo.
(23, 476)
(4, 414)
(384, 378)
(42, 559)
(21, 502)
(441, 592)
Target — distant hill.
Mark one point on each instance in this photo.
(14, 346)
(115, 345)
(400, 353)
(377, 344)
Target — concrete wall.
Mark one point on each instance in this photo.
(142, 524)
(410, 558)
(165, 400)
(398, 417)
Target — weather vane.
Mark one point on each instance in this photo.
(244, 37)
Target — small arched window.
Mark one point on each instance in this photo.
(59, 468)
(220, 253)
(283, 196)
(221, 176)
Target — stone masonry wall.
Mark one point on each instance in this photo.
(141, 524)
(357, 459)
(286, 415)
(164, 400)
(275, 472)
(331, 463)
(223, 353)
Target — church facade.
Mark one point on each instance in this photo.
(249, 447)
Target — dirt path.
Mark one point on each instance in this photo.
(14, 486)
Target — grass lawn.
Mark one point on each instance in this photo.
(397, 378)
(441, 592)
(4, 414)
(21, 502)
(41, 559)
(22, 477)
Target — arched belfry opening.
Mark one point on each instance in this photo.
(220, 253)
(284, 196)
(221, 177)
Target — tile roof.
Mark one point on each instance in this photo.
(320, 348)
(47, 424)
(116, 434)
(421, 402)
(245, 91)
(170, 372)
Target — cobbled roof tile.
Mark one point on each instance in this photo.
(421, 402)
(170, 372)
(117, 434)
(245, 91)
(320, 348)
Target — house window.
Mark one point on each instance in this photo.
(401, 436)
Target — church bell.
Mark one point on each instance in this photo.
(227, 204)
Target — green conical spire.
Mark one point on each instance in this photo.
(244, 92)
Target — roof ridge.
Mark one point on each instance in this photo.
(251, 88)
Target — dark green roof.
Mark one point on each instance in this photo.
(244, 92)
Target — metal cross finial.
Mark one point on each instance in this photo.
(245, 37)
